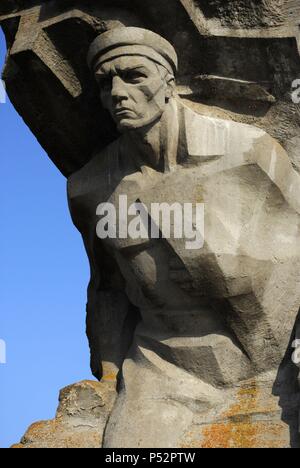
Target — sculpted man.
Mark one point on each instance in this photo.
(186, 330)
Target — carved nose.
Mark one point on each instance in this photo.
(118, 91)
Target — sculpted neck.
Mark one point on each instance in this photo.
(157, 143)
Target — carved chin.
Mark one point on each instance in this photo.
(128, 124)
(131, 124)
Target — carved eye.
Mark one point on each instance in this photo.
(133, 77)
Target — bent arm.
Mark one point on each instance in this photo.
(111, 318)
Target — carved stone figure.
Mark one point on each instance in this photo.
(193, 346)
(210, 320)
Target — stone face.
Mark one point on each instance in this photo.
(80, 419)
(199, 338)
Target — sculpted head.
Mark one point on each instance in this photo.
(135, 69)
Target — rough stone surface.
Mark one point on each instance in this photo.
(199, 340)
(48, 44)
(80, 419)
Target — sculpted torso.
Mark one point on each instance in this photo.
(246, 234)
(212, 317)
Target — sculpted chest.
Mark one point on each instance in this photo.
(247, 222)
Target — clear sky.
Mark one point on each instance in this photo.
(43, 278)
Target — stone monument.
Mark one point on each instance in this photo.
(176, 105)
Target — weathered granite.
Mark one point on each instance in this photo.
(80, 419)
(199, 340)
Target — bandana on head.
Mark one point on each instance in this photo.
(132, 41)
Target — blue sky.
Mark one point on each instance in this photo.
(43, 278)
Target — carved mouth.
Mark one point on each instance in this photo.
(122, 111)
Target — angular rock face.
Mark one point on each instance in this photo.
(48, 44)
(80, 419)
(200, 339)
(249, 13)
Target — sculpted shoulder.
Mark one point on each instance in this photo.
(209, 138)
(227, 144)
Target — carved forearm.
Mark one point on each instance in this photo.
(110, 324)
